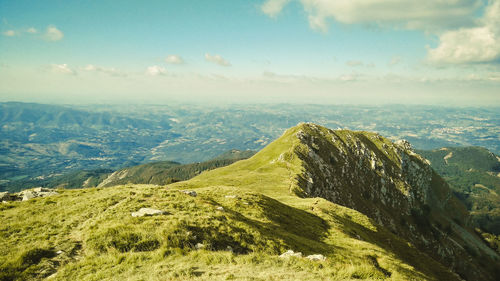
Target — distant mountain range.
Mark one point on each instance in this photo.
(315, 204)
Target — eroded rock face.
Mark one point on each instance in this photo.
(393, 185)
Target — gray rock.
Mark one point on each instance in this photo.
(220, 208)
(291, 253)
(190, 192)
(36, 192)
(148, 212)
(27, 195)
(199, 246)
(404, 144)
(316, 257)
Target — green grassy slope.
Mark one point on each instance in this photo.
(100, 240)
(474, 175)
(89, 234)
(366, 172)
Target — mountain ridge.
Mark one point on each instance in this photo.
(243, 216)
(415, 188)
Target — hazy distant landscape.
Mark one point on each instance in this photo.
(42, 141)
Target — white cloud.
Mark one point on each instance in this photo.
(477, 44)
(408, 14)
(106, 70)
(9, 33)
(217, 59)
(156, 70)
(31, 30)
(273, 7)
(174, 59)
(63, 68)
(53, 34)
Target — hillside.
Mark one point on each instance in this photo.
(374, 209)
(474, 176)
(158, 172)
(166, 172)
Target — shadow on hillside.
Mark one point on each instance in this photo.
(424, 264)
(282, 226)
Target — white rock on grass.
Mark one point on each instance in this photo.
(220, 208)
(199, 246)
(291, 253)
(27, 195)
(148, 212)
(190, 192)
(36, 192)
(317, 257)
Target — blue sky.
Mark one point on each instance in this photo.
(338, 51)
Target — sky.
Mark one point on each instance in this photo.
(443, 52)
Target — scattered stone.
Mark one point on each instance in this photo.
(316, 257)
(59, 252)
(229, 248)
(219, 208)
(199, 246)
(190, 192)
(36, 192)
(148, 212)
(291, 253)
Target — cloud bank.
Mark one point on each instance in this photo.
(478, 44)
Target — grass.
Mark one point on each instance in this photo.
(89, 234)
(100, 240)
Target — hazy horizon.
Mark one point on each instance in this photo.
(274, 51)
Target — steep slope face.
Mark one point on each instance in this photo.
(474, 175)
(386, 181)
(393, 185)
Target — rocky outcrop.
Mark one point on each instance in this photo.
(27, 194)
(393, 185)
